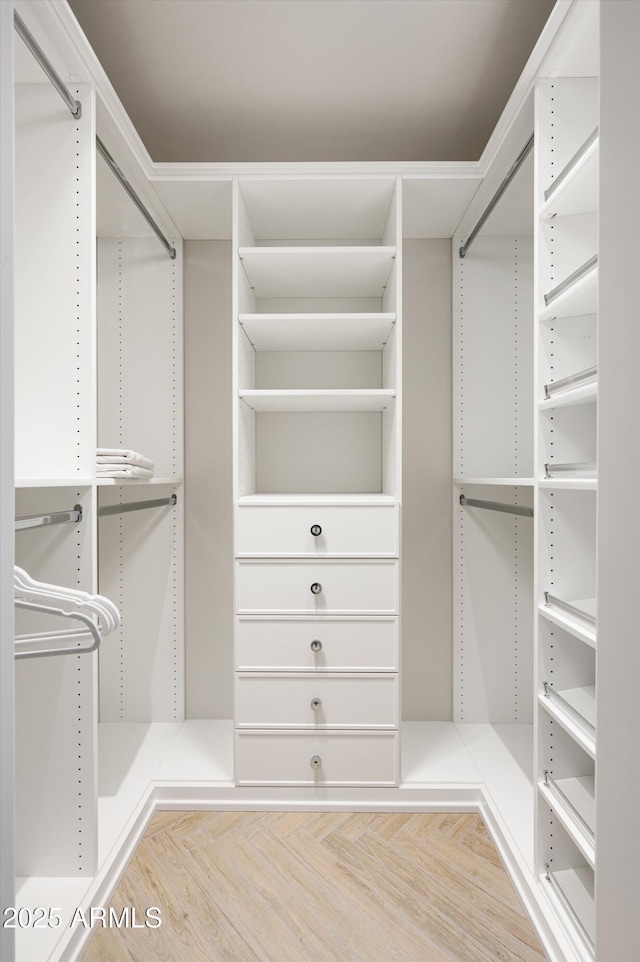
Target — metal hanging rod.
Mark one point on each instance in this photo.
(25, 34)
(515, 167)
(55, 517)
(497, 506)
(102, 150)
(108, 509)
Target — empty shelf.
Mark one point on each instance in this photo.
(573, 800)
(511, 482)
(586, 469)
(581, 388)
(575, 190)
(318, 332)
(577, 294)
(318, 271)
(579, 629)
(573, 890)
(582, 610)
(575, 709)
(327, 401)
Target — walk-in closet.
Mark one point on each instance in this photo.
(323, 484)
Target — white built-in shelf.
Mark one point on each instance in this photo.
(319, 401)
(317, 499)
(317, 208)
(572, 889)
(510, 482)
(579, 629)
(104, 482)
(318, 271)
(571, 391)
(318, 332)
(53, 482)
(579, 296)
(573, 801)
(568, 484)
(575, 190)
(575, 710)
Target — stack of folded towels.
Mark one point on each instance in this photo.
(121, 463)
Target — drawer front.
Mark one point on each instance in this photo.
(301, 701)
(316, 644)
(285, 758)
(355, 587)
(339, 530)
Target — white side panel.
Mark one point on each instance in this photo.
(54, 293)
(7, 747)
(142, 570)
(140, 350)
(618, 769)
(56, 705)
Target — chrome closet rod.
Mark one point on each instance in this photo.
(515, 167)
(102, 150)
(108, 509)
(497, 506)
(55, 517)
(25, 34)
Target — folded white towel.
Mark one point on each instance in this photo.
(123, 456)
(139, 461)
(123, 471)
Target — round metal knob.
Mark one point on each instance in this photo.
(316, 704)
(316, 645)
(316, 761)
(316, 588)
(316, 530)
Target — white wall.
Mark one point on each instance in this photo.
(426, 472)
(427, 479)
(208, 479)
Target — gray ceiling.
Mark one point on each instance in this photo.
(234, 81)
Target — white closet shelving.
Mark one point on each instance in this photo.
(317, 402)
(567, 152)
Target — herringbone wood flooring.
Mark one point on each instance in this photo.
(330, 887)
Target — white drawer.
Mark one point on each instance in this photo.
(285, 758)
(286, 530)
(366, 587)
(292, 644)
(302, 701)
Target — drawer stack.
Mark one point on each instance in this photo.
(317, 296)
(317, 644)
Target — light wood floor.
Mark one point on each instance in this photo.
(291, 887)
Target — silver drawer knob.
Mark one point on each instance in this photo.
(316, 704)
(316, 761)
(316, 645)
(316, 530)
(316, 588)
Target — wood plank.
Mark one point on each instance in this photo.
(322, 886)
